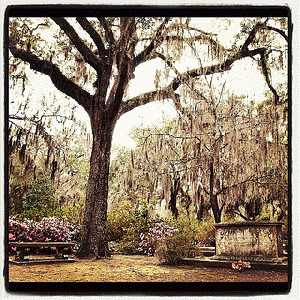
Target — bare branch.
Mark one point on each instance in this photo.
(168, 62)
(281, 32)
(252, 178)
(251, 35)
(266, 74)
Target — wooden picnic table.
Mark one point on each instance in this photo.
(23, 247)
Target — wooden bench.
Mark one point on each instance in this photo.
(23, 248)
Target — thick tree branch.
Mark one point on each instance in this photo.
(251, 35)
(169, 91)
(142, 100)
(262, 26)
(127, 32)
(154, 43)
(60, 81)
(84, 50)
(266, 74)
(125, 56)
(86, 25)
(115, 101)
(108, 32)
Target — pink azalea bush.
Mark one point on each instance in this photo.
(47, 230)
(156, 236)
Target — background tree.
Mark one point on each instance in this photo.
(235, 157)
(233, 154)
(93, 61)
(127, 180)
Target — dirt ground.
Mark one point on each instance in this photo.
(122, 268)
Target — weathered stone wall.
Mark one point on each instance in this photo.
(250, 241)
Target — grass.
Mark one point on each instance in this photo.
(124, 268)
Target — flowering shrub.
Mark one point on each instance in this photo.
(124, 226)
(241, 265)
(155, 237)
(47, 230)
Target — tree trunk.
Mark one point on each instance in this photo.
(213, 197)
(174, 192)
(200, 208)
(215, 208)
(93, 236)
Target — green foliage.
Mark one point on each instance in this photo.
(206, 232)
(175, 248)
(198, 232)
(71, 213)
(124, 226)
(185, 243)
(188, 226)
(36, 200)
(18, 184)
(39, 201)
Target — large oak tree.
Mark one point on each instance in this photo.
(93, 61)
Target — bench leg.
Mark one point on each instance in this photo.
(21, 254)
(59, 253)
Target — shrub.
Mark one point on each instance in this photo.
(47, 230)
(154, 238)
(124, 227)
(175, 248)
(174, 239)
(129, 242)
(71, 213)
(199, 233)
(206, 233)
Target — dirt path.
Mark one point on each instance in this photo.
(121, 268)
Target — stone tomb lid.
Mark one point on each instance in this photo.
(247, 223)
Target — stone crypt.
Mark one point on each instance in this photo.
(249, 241)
